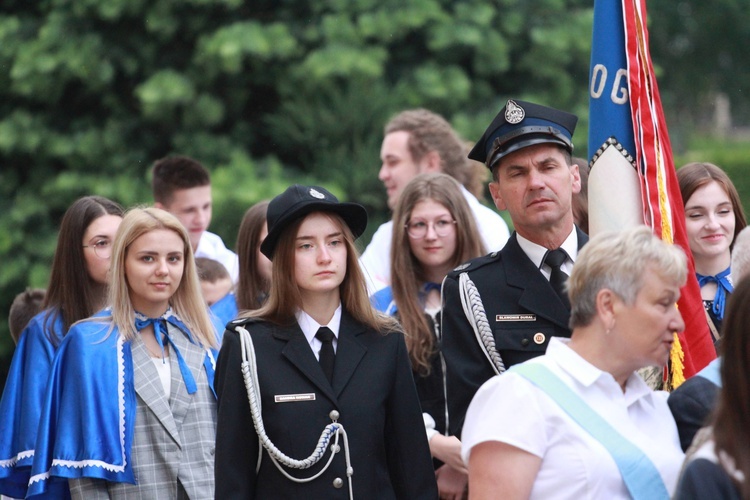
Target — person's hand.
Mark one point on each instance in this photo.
(451, 483)
(447, 449)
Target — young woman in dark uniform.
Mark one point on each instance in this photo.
(334, 411)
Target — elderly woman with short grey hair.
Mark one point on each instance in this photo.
(579, 422)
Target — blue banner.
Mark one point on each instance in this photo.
(609, 109)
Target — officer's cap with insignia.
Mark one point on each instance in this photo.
(298, 201)
(520, 124)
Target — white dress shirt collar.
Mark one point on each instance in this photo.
(537, 252)
(310, 327)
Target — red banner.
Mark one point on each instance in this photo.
(648, 150)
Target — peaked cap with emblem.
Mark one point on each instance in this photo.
(298, 201)
(520, 124)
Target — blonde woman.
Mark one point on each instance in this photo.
(130, 411)
(579, 422)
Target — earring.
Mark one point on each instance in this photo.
(609, 328)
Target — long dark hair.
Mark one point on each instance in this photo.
(697, 174)
(285, 298)
(252, 288)
(71, 294)
(407, 274)
(732, 414)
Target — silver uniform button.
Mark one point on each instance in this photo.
(334, 415)
(338, 483)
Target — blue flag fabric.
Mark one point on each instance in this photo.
(609, 109)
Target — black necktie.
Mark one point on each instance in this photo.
(554, 259)
(326, 355)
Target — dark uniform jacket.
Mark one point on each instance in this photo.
(373, 392)
(523, 312)
(704, 479)
(691, 405)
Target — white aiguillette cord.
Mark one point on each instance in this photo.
(335, 429)
(477, 318)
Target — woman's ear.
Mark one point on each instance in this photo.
(606, 306)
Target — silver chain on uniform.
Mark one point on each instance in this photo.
(335, 429)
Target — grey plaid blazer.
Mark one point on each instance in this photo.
(174, 440)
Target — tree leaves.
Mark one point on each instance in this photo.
(265, 93)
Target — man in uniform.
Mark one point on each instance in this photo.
(503, 308)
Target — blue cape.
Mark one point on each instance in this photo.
(382, 301)
(225, 310)
(21, 403)
(88, 417)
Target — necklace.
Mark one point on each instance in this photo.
(157, 354)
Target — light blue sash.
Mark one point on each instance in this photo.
(712, 372)
(638, 472)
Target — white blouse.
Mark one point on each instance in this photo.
(510, 409)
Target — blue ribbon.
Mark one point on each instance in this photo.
(640, 475)
(142, 322)
(723, 287)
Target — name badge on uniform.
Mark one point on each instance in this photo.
(515, 317)
(293, 398)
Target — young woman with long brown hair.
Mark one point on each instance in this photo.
(713, 219)
(77, 289)
(317, 365)
(435, 232)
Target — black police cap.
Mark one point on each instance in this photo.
(520, 124)
(298, 201)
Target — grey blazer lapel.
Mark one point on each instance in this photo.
(299, 353)
(149, 388)
(193, 355)
(349, 353)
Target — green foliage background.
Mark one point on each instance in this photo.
(267, 93)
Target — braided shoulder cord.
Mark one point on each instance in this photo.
(335, 429)
(474, 310)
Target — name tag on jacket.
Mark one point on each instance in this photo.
(515, 317)
(293, 398)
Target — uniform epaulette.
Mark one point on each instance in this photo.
(241, 322)
(475, 264)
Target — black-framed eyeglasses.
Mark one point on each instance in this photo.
(418, 229)
(102, 248)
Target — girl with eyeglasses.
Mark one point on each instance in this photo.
(437, 233)
(77, 289)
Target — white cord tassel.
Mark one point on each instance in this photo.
(474, 310)
(334, 429)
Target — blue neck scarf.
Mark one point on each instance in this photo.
(723, 287)
(100, 362)
(161, 334)
(426, 289)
